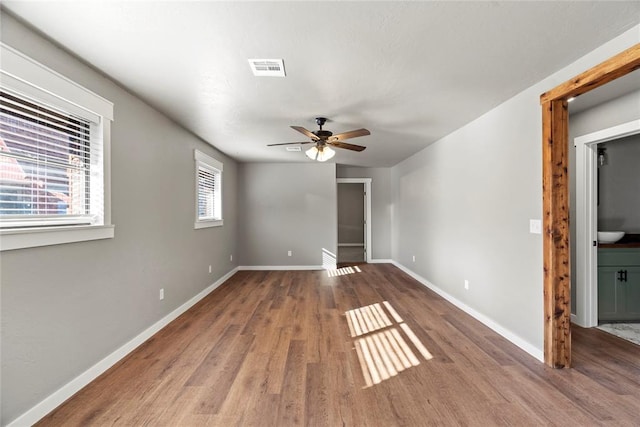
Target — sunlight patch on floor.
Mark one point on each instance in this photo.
(344, 270)
(380, 346)
(367, 319)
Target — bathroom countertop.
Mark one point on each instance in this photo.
(627, 241)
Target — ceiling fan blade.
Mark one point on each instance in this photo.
(290, 143)
(350, 134)
(346, 145)
(305, 132)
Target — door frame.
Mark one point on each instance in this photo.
(367, 210)
(587, 218)
(555, 199)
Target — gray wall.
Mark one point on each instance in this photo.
(286, 207)
(350, 213)
(619, 207)
(381, 206)
(462, 207)
(66, 307)
(608, 114)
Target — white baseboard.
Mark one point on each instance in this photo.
(574, 319)
(515, 339)
(36, 413)
(381, 261)
(280, 267)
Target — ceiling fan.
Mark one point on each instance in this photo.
(324, 138)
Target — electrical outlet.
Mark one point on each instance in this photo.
(161, 294)
(466, 284)
(414, 258)
(209, 269)
(289, 253)
(231, 257)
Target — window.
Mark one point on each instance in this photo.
(45, 165)
(208, 191)
(54, 144)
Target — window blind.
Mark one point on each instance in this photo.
(45, 159)
(208, 193)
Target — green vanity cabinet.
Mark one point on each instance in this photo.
(608, 293)
(618, 284)
(632, 285)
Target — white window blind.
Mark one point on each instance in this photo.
(45, 164)
(207, 185)
(208, 191)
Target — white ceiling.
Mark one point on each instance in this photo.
(410, 72)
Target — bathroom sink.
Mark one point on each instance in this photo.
(609, 236)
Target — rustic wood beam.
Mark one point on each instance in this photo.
(555, 185)
(555, 199)
(611, 69)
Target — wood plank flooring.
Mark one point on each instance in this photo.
(275, 349)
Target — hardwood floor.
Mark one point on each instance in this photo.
(275, 349)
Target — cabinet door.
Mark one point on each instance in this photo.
(608, 289)
(631, 289)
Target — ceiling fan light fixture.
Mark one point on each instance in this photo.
(312, 152)
(325, 154)
(321, 154)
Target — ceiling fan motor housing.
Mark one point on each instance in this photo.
(322, 134)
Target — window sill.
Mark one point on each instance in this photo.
(34, 237)
(206, 224)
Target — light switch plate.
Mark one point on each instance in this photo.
(535, 226)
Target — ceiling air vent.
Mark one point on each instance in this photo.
(293, 148)
(267, 67)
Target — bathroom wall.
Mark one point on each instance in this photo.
(619, 207)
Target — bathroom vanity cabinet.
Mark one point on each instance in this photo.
(618, 284)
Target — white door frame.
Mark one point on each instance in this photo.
(587, 219)
(367, 210)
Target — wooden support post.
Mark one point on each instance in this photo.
(555, 184)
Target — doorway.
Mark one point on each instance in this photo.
(354, 228)
(587, 218)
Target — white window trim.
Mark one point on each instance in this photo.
(210, 163)
(27, 76)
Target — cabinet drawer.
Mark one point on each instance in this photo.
(618, 256)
